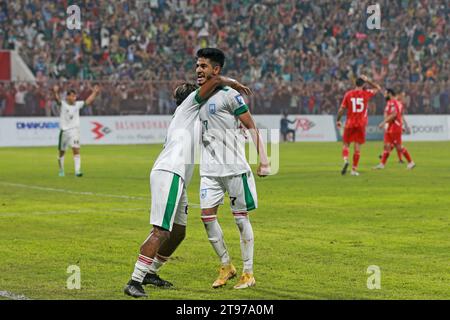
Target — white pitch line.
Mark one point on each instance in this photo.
(16, 214)
(12, 296)
(85, 193)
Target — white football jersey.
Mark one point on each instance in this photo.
(223, 144)
(182, 136)
(70, 115)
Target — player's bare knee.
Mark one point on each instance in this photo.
(209, 211)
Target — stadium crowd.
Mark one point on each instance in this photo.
(297, 55)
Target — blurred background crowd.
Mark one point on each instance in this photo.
(295, 54)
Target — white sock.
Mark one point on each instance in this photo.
(158, 262)
(247, 240)
(141, 268)
(77, 161)
(61, 163)
(215, 236)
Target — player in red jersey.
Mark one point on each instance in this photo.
(401, 99)
(393, 124)
(356, 103)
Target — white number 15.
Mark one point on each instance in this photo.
(357, 105)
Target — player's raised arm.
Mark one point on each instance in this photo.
(248, 122)
(56, 95)
(373, 84)
(214, 82)
(93, 95)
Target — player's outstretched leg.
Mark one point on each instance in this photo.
(247, 245)
(77, 162)
(345, 153)
(147, 253)
(61, 163)
(215, 236)
(166, 250)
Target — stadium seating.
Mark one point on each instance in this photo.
(294, 54)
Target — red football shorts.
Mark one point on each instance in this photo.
(393, 137)
(354, 134)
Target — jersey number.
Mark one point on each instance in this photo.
(357, 105)
(233, 200)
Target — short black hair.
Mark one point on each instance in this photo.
(360, 82)
(390, 91)
(216, 56)
(183, 91)
(70, 91)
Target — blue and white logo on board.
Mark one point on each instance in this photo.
(240, 100)
(212, 108)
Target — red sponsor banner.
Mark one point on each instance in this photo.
(5, 65)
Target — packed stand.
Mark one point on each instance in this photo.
(299, 56)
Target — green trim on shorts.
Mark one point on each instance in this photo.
(60, 140)
(249, 201)
(241, 110)
(171, 202)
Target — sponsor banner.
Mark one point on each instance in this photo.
(306, 127)
(44, 131)
(448, 126)
(124, 129)
(427, 128)
(29, 131)
(94, 130)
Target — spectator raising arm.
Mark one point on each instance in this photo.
(93, 95)
(56, 95)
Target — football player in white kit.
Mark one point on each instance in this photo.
(69, 124)
(169, 178)
(224, 168)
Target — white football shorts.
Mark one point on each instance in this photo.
(169, 200)
(69, 139)
(240, 188)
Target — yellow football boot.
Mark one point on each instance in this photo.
(245, 281)
(225, 273)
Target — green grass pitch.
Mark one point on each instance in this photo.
(316, 232)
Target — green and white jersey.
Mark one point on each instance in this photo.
(182, 135)
(69, 117)
(223, 144)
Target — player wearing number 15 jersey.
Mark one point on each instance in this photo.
(355, 102)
